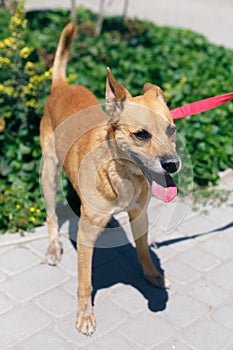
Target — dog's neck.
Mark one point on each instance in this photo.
(116, 152)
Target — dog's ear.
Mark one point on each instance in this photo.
(153, 89)
(116, 95)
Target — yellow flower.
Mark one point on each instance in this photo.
(32, 209)
(4, 61)
(17, 206)
(31, 103)
(2, 124)
(6, 43)
(38, 210)
(71, 78)
(32, 218)
(29, 65)
(183, 79)
(7, 90)
(8, 114)
(25, 52)
(24, 24)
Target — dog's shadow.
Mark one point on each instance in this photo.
(119, 264)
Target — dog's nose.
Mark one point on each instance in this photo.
(170, 163)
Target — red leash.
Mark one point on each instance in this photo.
(201, 106)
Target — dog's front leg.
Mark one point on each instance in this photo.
(139, 226)
(90, 226)
(85, 320)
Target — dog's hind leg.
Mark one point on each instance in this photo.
(139, 226)
(49, 175)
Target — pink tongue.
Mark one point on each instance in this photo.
(166, 194)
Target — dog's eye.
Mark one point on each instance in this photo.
(171, 130)
(142, 135)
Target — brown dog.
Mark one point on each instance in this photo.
(110, 161)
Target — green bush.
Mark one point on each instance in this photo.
(21, 207)
(183, 63)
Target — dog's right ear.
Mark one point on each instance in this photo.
(153, 89)
(115, 95)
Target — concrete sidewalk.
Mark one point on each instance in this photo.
(38, 302)
(213, 18)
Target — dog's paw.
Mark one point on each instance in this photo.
(86, 323)
(54, 252)
(158, 280)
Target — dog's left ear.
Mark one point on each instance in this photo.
(115, 95)
(153, 89)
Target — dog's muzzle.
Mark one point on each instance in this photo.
(171, 164)
(158, 175)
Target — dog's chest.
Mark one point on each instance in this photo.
(126, 202)
(129, 189)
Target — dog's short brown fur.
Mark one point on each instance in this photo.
(105, 159)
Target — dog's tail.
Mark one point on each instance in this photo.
(62, 53)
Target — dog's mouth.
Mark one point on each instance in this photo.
(164, 187)
(162, 184)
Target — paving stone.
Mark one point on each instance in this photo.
(4, 249)
(108, 317)
(224, 315)
(221, 216)
(174, 345)
(147, 330)
(128, 298)
(180, 272)
(198, 225)
(227, 234)
(199, 259)
(177, 241)
(155, 210)
(57, 302)
(174, 287)
(2, 276)
(208, 292)
(184, 243)
(17, 260)
(206, 334)
(45, 340)
(218, 247)
(20, 324)
(33, 282)
(39, 246)
(112, 341)
(165, 252)
(9, 239)
(102, 294)
(69, 262)
(71, 286)
(183, 310)
(170, 215)
(5, 304)
(66, 329)
(222, 275)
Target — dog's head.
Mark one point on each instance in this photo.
(144, 130)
